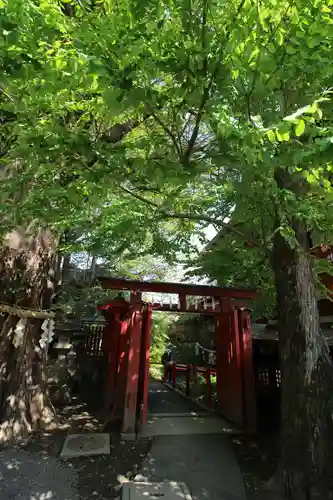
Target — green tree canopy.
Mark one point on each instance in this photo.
(143, 122)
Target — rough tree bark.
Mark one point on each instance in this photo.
(26, 267)
(307, 373)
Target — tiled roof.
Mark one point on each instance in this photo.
(270, 332)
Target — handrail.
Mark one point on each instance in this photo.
(190, 371)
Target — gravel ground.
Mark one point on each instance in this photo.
(257, 457)
(34, 470)
(35, 476)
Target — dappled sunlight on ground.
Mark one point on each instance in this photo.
(35, 476)
(186, 424)
(34, 471)
(190, 446)
(172, 414)
(205, 463)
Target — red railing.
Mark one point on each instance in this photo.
(190, 371)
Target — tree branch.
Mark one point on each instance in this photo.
(203, 36)
(198, 119)
(169, 133)
(6, 95)
(195, 217)
(119, 130)
(207, 88)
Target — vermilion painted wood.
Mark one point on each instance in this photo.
(165, 373)
(110, 348)
(119, 351)
(123, 359)
(228, 365)
(203, 369)
(174, 374)
(199, 369)
(114, 342)
(188, 379)
(209, 399)
(222, 327)
(132, 372)
(129, 350)
(248, 377)
(182, 302)
(192, 369)
(176, 288)
(146, 355)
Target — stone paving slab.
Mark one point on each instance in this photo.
(164, 490)
(186, 424)
(84, 445)
(205, 461)
(163, 400)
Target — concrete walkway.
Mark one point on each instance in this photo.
(193, 448)
(163, 400)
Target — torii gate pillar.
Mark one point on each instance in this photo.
(115, 341)
(236, 398)
(248, 378)
(127, 342)
(128, 345)
(136, 390)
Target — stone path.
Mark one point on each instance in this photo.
(163, 400)
(198, 454)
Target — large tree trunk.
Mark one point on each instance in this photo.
(305, 470)
(66, 267)
(26, 267)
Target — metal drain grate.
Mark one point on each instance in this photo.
(83, 445)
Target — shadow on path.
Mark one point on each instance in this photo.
(204, 461)
(163, 400)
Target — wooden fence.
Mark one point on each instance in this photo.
(93, 338)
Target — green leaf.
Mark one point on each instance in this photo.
(279, 37)
(300, 128)
(235, 74)
(279, 136)
(271, 135)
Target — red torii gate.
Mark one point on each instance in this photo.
(127, 341)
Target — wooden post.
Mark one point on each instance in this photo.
(146, 355)
(135, 297)
(132, 375)
(188, 379)
(110, 347)
(122, 361)
(248, 377)
(194, 374)
(209, 399)
(114, 346)
(174, 374)
(165, 373)
(182, 302)
(228, 365)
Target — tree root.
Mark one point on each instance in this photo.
(274, 487)
(278, 488)
(22, 418)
